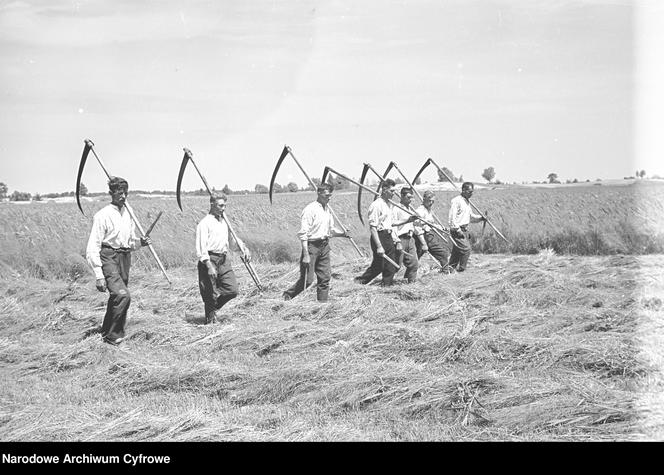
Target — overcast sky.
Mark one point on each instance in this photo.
(528, 87)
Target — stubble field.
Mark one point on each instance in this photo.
(558, 337)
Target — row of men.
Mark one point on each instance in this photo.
(394, 233)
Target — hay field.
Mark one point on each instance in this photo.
(522, 347)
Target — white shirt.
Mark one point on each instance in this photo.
(423, 213)
(399, 216)
(380, 216)
(316, 222)
(461, 214)
(113, 227)
(211, 235)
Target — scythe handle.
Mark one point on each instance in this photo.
(246, 263)
(154, 254)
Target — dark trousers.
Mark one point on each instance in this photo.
(378, 264)
(437, 248)
(409, 257)
(460, 250)
(216, 292)
(319, 263)
(115, 266)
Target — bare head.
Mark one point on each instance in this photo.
(467, 189)
(387, 189)
(118, 189)
(406, 195)
(218, 204)
(428, 199)
(324, 191)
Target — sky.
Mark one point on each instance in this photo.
(529, 87)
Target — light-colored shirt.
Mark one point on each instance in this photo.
(113, 227)
(211, 235)
(316, 222)
(399, 216)
(461, 213)
(426, 214)
(380, 216)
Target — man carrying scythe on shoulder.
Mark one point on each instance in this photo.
(316, 229)
(216, 279)
(384, 241)
(403, 227)
(432, 244)
(112, 238)
(461, 215)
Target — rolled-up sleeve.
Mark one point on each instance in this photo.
(306, 222)
(201, 242)
(94, 246)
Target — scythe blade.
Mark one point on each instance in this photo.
(426, 164)
(359, 191)
(326, 171)
(380, 184)
(284, 152)
(183, 166)
(81, 166)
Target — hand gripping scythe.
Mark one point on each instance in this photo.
(417, 193)
(89, 146)
(431, 162)
(189, 157)
(284, 153)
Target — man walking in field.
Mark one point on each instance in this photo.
(404, 229)
(316, 229)
(461, 215)
(432, 242)
(112, 238)
(216, 279)
(383, 240)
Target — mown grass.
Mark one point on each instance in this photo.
(539, 347)
(47, 240)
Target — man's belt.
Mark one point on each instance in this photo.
(405, 235)
(318, 241)
(217, 254)
(116, 249)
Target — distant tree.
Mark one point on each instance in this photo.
(262, 189)
(489, 174)
(642, 174)
(340, 183)
(226, 190)
(3, 191)
(399, 181)
(84, 189)
(553, 178)
(292, 187)
(448, 172)
(575, 181)
(20, 196)
(418, 181)
(277, 188)
(37, 197)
